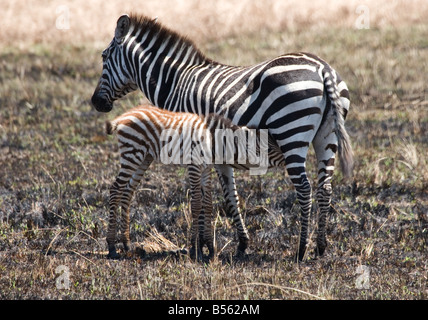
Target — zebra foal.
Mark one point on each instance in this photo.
(147, 134)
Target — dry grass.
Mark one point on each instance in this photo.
(56, 164)
(27, 22)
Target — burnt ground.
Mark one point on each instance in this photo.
(56, 166)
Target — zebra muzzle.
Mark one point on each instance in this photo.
(101, 104)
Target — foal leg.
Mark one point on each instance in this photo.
(114, 200)
(120, 197)
(116, 195)
(195, 172)
(128, 194)
(227, 181)
(207, 204)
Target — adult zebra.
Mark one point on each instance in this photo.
(298, 97)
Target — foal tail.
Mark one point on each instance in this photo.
(111, 127)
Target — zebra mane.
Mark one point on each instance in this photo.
(142, 22)
(217, 121)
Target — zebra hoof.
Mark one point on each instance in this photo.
(128, 246)
(139, 251)
(300, 255)
(113, 255)
(240, 255)
(242, 246)
(210, 253)
(320, 250)
(195, 255)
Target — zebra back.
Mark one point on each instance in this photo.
(148, 129)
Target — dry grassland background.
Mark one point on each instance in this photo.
(26, 22)
(56, 163)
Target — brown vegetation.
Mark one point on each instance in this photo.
(27, 22)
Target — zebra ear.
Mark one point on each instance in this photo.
(122, 28)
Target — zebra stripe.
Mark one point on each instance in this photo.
(298, 97)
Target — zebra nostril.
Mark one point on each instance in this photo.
(101, 104)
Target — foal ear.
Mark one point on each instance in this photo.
(122, 27)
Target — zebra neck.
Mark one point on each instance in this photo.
(169, 72)
(193, 89)
(160, 63)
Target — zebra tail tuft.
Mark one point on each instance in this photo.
(346, 154)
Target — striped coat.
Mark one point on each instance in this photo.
(148, 134)
(298, 97)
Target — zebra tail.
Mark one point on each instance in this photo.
(111, 127)
(346, 154)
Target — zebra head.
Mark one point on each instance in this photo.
(116, 79)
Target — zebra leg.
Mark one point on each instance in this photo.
(115, 198)
(227, 181)
(325, 145)
(304, 196)
(324, 200)
(118, 195)
(195, 173)
(295, 165)
(207, 204)
(127, 196)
